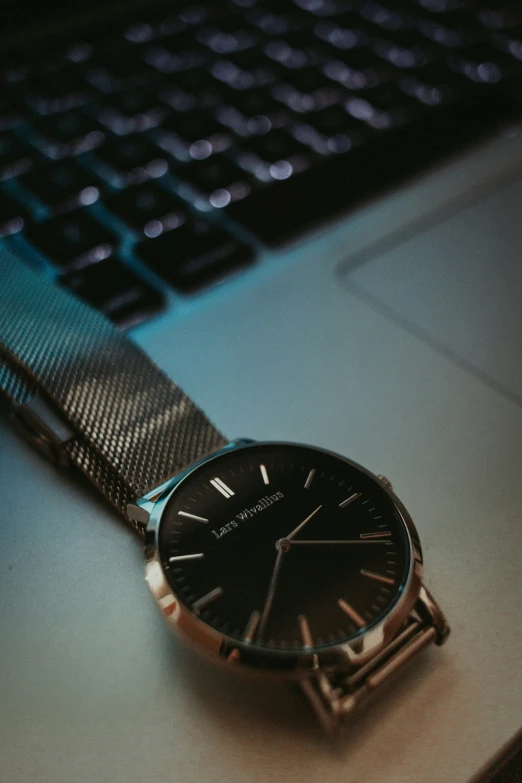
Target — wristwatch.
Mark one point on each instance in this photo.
(275, 558)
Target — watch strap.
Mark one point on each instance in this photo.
(334, 696)
(109, 409)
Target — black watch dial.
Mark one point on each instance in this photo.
(284, 547)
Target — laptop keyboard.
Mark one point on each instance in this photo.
(162, 151)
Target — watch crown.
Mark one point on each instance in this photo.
(387, 483)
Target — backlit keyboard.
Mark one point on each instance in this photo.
(162, 150)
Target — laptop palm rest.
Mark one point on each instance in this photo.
(458, 285)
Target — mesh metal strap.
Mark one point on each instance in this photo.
(132, 426)
(335, 696)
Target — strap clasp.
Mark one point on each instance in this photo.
(39, 424)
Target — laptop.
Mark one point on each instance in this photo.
(308, 214)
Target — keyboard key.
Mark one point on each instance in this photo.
(133, 111)
(132, 159)
(481, 63)
(218, 179)
(54, 91)
(9, 115)
(12, 215)
(193, 126)
(114, 289)
(284, 209)
(333, 120)
(116, 67)
(273, 146)
(147, 208)
(16, 156)
(195, 255)
(62, 186)
(68, 133)
(74, 240)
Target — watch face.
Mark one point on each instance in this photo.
(284, 547)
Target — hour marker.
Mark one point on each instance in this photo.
(350, 499)
(251, 626)
(376, 535)
(352, 614)
(310, 478)
(191, 516)
(178, 558)
(378, 577)
(222, 487)
(207, 599)
(264, 474)
(305, 631)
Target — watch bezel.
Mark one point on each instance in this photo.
(288, 663)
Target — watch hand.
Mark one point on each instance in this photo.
(355, 541)
(302, 524)
(271, 592)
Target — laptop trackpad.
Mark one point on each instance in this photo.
(458, 284)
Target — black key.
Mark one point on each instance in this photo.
(452, 32)
(273, 146)
(62, 186)
(391, 106)
(74, 240)
(147, 208)
(441, 77)
(193, 126)
(497, 15)
(253, 102)
(54, 91)
(194, 255)
(16, 156)
(123, 65)
(193, 80)
(482, 63)
(116, 290)
(306, 79)
(406, 57)
(358, 70)
(248, 58)
(68, 133)
(133, 110)
(12, 215)
(133, 159)
(339, 131)
(9, 114)
(283, 209)
(218, 175)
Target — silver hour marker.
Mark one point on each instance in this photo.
(251, 626)
(191, 516)
(179, 558)
(309, 479)
(264, 474)
(352, 614)
(207, 599)
(222, 487)
(350, 499)
(376, 535)
(305, 631)
(378, 577)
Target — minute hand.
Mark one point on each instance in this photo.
(301, 524)
(354, 541)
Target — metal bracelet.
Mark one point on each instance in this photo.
(334, 698)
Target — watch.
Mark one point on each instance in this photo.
(278, 559)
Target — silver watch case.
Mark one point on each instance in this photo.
(243, 656)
